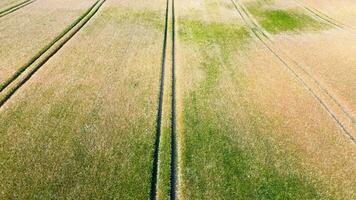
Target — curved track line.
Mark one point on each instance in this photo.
(15, 7)
(11, 89)
(313, 79)
(261, 37)
(320, 85)
(329, 111)
(324, 17)
(154, 176)
(325, 90)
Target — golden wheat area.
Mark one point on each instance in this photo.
(178, 99)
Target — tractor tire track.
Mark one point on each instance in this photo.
(15, 7)
(20, 78)
(319, 84)
(155, 167)
(173, 182)
(38, 55)
(333, 107)
(170, 11)
(324, 17)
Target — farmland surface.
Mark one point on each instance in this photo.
(178, 99)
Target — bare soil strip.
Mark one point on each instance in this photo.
(334, 108)
(10, 86)
(154, 178)
(324, 17)
(15, 7)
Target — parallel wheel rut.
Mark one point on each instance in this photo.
(161, 102)
(17, 80)
(15, 7)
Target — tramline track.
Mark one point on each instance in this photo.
(15, 7)
(345, 110)
(161, 102)
(10, 86)
(322, 16)
(38, 55)
(173, 179)
(155, 167)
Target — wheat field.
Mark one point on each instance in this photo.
(178, 99)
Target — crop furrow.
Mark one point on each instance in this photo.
(9, 88)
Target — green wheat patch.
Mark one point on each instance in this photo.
(290, 20)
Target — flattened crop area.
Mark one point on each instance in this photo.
(177, 99)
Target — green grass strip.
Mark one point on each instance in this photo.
(45, 49)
